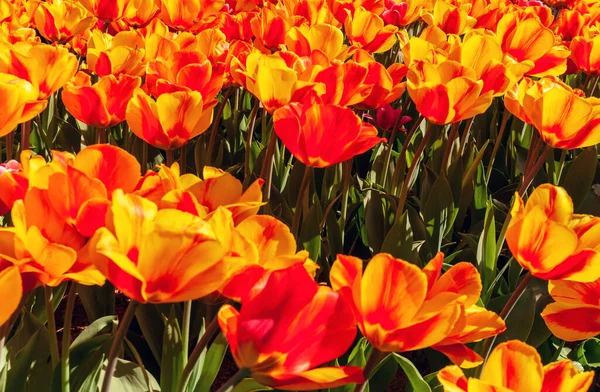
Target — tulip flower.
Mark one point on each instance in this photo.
(270, 30)
(138, 13)
(123, 53)
(184, 16)
(325, 38)
(576, 313)
(106, 10)
(547, 239)
(514, 366)
(400, 307)
(447, 92)
(157, 256)
(387, 117)
(562, 115)
(569, 24)
(526, 41)
(585, 54)
(46, 67)
(171, 120)
(450, 16)
(60, 21)
(323, 135)
(20, 102)
(287, 326)
(11, 166)
(102, 104)
(11, 289)
(401, 13)
(366, 30)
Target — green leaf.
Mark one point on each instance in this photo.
(249, 385)
(374, 221)
(357, 358)
(437, 212)
(384, 375)
(212, 364)
(129, 376)
(39, 306)
(399, 240)
(580, 176)
(197, 369)
(30, 370)
(310, 233)
(520, 320)
(98, 301)
(588, 353)
(172, 360)
(152, 326)
(414, 377)
(486, 248)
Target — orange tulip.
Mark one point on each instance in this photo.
(527, 42)
(270, 30)
(576, 313)
(123, 53)
(11, 289)
(171, 120)
(514, 366)
(400, 307)
(106, 10)
(323, 135)
(182, 17)
(366, 30)
(303, 326)
(100, 105)
(569, 24)
(547, 239)
(447, 92)
(562, 115)
(138, 13)
(157, 256)
(450, 16)
(585, 53)
(20, 102)
(325, 38)
(46, 67)
(60, 21)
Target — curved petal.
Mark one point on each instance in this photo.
(572, 322)
(514, 365)
(325, 377)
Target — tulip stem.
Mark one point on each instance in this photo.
(234, 380)
(266, 171)
(10, 138)
(66, 339)
(185, 328)
(413, 166)
(465, 135)
(375, 358)
(250, 131)
(449, 144)
(497, 143)
(506, 310)
(101, 136)
(117, 344)
(215, 128)
(25, 132)
(402, 157)
(535, 168)
(49, 295)
(300, 198)
(170, 157)
(209, 333)
(388, 157)
(346, 175)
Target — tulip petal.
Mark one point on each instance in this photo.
(460, 355)
(325, 377)
(572, 322)
(563, 376)
(514, 365)
(11, 291)
(453, 379)
(461, 279)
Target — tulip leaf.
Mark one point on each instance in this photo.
(172, 360)
(39, 308)
(152, 326)
(197, 370)
(97, 301)
(580, 176)
(30, 368)
(520, 320)
(588, 353)
(310, 233)
(399, 240)
(486, 248)
(414, 377)
(212, 364)
(129, 376)
(437, 212)
(384, 375)
(374, 220)
(249, 385)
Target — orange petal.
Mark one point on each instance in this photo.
(11, 290)
(572, 322)
(563, 376)
(514, 365)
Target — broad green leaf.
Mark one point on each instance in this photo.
(129, 376)
(152, 326)
(588, 353)
(172, 361)
(249, 385)
(437, 212)
(212, 364)
(197, 369)
(98, 301)
(580, 176)
(520, 320)
(414, 377)
(310, 234)
(486, 248)
(384, 376)
(399, 240)
(31, 369)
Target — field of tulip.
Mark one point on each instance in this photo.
(333, 195)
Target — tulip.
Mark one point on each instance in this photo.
(184, 16)
(400, 307)
(106, 10)
(11, 289)
(102, 104)
(288, 325)
(46, 67)
(585, 54)
(387, 117)
(270, 30)
(20, 102)
(531, 44)
(60, 21)
(366, 30)
(562, 115)
(138, 13)
(157, 256)
(323, 135)
(569, 24)
(325, 38)
(547, 239)
(401, 13)
(447, 92)
(514, 366)
(171, 120)
(450, 16)
(123, 53)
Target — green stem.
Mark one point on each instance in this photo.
(346, 174)
(185, 328)
(117, 344)
(66, 339)
(448, 149)
(304, 186)
(250, 131)
(235, 380)
(390, 145)
(535, 168)
(413, 166)
(402, 157)
(48, 294)
(506, 310)
(215, 128)
(497, 143)
(375, 357)
(210, 332)
(266, 171)
(463, 141)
